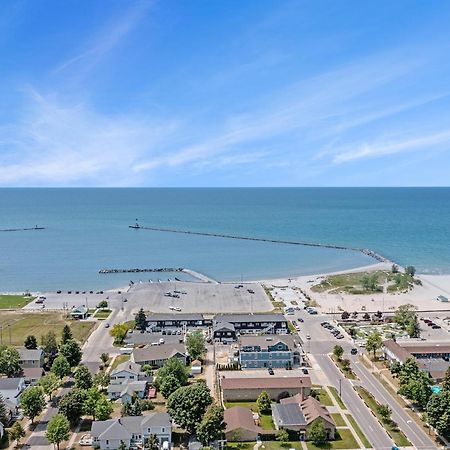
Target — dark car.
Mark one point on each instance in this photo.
(58, 292)
(270, 370)
(354, 351)
(305, 371)
(436, 327)
(300, 319)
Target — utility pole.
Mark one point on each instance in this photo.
(340, 388)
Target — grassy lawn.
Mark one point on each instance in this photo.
(267, 422)
(14, 301)
(324, 398)
(102, 314)
(250, 405)
(338, 420)
(359, 432)
(22, 324)
(396, 434)
(344, 440)
(275, 445)
(119, 360)
(350, 282)
(335, 394)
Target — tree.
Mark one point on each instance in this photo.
(140, 320)
(58, 430)
(72, 351)
(104, 358)
(66, 334)
(338, 351)
(173, 366)
(32, 402)
(101, 379)
(385, 412)
(263, 402)
(9, 361)
(195, 345)
(446, 380)
(413, 328)
(102, 304)
(283, 435)
(30, 342)
(4, 415)
(212, 425)
(370, 282)
(122, 446)
(49, 345)
(72, 404)
(119, 332)
(317, 433)
(92, 396)
(16, 433)
(188, 404)
(366, 316)
(410, 271)
(83, 378)
(374, 342)
(152, 442)
(345, 315)
(60, 366)
(49, 384)
(168, 385)
(404, 315)
(394, 268)
(417, 389)
(438, 408)
(103, 408)
(147, 368)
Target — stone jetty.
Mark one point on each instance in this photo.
(137, 270)
(22, 229)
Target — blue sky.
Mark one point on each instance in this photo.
(224, 93)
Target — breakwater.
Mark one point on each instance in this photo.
(365, 251)
(22, 229)
(137, 270)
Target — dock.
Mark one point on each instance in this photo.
(22, 229)
(365, 251)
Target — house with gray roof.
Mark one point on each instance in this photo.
(157, 355)
(31, 357)
(128, 370)
(132, 430)
(254, 323)
(79, 312)
(296, 414)
(126, 390)
(11, 389)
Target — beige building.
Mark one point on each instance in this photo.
(240, 425)
(248, 388)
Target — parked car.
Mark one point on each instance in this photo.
(305, 371)
(354, 351)
(106, 325)
(270, 370)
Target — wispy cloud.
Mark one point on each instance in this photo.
(108, 38)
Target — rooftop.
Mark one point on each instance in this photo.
(239, 417)
(233, 318)
(174, 316)
(266, 340)
(262, 383)
(158, 352)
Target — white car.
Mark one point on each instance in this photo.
(172, 308)
(177, 308)
(85, 440)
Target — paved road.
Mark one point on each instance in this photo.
(415, 434)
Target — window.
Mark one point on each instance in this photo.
(107, 442)
(163, 430)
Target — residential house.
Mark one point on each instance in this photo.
(256, 352)
(126, 390)
(248, 388)
(32, 375)
(79, 312)
(240, 425)
(157, 355)
(31, 357)
(298, 414)
(127, 370)
(224, 332)
(251, 323)
(10, 390)
(132, 430)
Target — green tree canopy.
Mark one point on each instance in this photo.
(374, 342)
(103, 408)
(119, 332)
(168, 385)
(17, 432)
(410, 270)
(49, 383)
(83, 378)
(48, 344)
(66, 334)
(188, 404)
(283, 435)
(338, 351)
(173, 366)
(438, 412)
(72, 351)
(92, 396)
(9, 361)
(72, 405)
(212, 425)
(32, 402)
(263, 402)
(58, 430)
(30, 342)
(60, 366)
(317, 433)
(4, 415)
(195, 345)
(140, 320)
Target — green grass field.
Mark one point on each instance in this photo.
(338, 420)
(324, 398)
(14, 301)
(102, 314)
(267, 422)
(359, 432)
(344, 440)
(335, 394)
(18, 325)
(119, 360)
(250, 405)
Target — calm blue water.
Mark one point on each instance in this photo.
(87, 229)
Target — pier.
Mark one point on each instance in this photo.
(137, 270)
(367, 252)
(22, 229)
